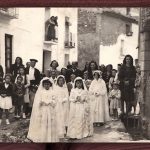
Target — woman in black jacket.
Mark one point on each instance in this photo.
(127, 76)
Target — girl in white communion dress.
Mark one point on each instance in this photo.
(43, 124)
(79, 124)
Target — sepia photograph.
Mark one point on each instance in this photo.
(74, 74)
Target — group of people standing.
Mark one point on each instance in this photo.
(68, 103)
(17, 89)
(68, 110)
(80, 100)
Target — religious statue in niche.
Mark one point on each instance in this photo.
(52, 25)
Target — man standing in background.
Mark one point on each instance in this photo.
(34, 78)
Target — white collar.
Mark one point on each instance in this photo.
(6, 85)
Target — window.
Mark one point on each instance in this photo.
(69, 36)
(11, 13)
(66, 31)
(122, 48)
(72, 40)
(47, 16)
(129, 29)
(47, 13)
(51, 24)
(8, 52)
(46, 60)
(128, 10)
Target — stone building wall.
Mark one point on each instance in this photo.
(88, 38)
(28, 35)
(111, 28)
(113, 32)
(144, 58)
(100, 35)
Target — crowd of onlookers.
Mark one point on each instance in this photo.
(110, 92)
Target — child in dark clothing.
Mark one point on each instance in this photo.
(6, 97)
(19, 92)
(26, 83)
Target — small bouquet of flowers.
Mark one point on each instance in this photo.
(48, 102)
(79, 99)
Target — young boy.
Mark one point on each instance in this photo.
(112, 79)
(114, 97)
(18, 92)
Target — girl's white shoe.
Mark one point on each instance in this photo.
(7, 121)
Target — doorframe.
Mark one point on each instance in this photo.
(7, 70)
(43, 57)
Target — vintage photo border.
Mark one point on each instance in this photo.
(78, 3)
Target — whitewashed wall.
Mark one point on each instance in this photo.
(111, 54)
(58, 50)
(61, 50)
(28, 35)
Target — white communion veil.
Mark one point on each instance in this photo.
(61, 76)
(99, 72)
(79, 78)
(35, 120)
(41, 85)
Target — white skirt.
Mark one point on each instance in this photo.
(6, 103)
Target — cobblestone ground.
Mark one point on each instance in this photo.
(15, 132)
(113, 131)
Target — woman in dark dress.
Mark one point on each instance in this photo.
(51, 29)
(15, 67)
(127, 76)
(92, 67)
